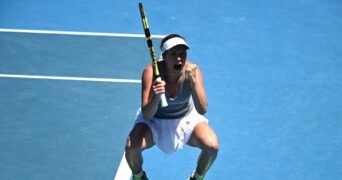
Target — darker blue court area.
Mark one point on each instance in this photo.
(55, 129)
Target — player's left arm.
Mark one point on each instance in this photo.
(195, 81)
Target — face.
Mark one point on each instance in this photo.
(175, 59)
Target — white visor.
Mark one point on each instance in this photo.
(172, 43)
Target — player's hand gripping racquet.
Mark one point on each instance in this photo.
(150, 46)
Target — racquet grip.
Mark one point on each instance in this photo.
(163, 101)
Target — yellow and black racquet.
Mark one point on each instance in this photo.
(150, 46)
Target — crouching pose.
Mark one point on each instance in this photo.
(182, 121)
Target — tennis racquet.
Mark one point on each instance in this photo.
(150, 46)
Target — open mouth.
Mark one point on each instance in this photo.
(177, 66)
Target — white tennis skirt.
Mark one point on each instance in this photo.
(171, 135)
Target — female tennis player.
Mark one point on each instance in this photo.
(182, 121)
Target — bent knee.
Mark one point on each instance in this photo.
(139, 139)
(212, 145)
(131, 146)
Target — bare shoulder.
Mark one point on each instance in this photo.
(147, 77)
(148, 70)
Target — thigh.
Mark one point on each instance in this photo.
(203, 136)
(140, 136)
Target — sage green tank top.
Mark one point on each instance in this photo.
(179, 106)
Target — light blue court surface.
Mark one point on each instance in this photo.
(272, 71)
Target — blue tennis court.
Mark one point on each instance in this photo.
(70, 86)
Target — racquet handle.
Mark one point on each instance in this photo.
(163, 101)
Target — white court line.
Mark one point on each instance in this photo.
(77, 33)
(123, 172)
(70, 78)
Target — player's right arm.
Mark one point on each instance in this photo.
(150, 93)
